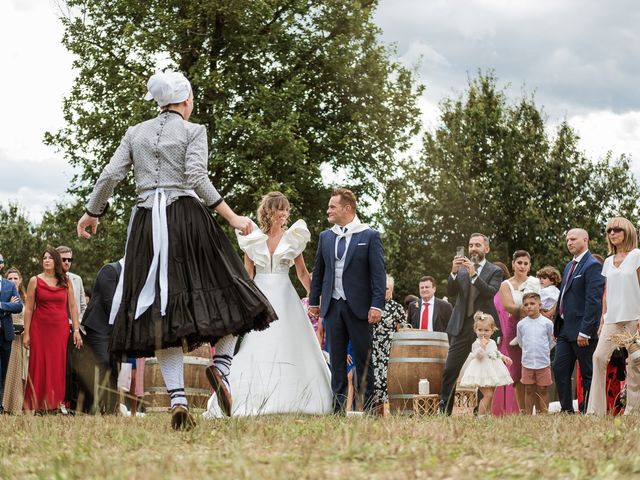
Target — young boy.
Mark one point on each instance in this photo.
(549, 279)
(535, 336)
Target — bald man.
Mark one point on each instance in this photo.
(577, 318)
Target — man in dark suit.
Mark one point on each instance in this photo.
(347, 290)
(96, 325)
(475, 281)
(578, 313)
(429, 313)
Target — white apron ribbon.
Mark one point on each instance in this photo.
(159, 263)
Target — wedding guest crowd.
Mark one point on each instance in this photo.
(587, 313)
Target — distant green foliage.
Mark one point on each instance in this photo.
(491, 166)
(22, 243)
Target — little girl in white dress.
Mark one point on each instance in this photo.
(485, 368)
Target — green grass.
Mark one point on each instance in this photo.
(320, 447)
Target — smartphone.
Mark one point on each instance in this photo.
(460, 252)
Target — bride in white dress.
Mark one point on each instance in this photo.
(280, 369)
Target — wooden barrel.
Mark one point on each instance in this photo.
(196, 384)
(415, 354)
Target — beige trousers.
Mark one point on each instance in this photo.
(598, 394)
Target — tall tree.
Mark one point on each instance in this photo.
(491, 167)
(288, 89)
(19, 243)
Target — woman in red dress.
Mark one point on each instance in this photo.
(50, 298)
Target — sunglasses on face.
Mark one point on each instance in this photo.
(614, 230)
(67, 260)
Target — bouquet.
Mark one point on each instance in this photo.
(632, 343)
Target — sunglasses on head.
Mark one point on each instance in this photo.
(67, 260)
(614, 230)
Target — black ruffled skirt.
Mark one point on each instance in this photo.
(210, 292)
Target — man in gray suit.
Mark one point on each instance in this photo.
(475, 281)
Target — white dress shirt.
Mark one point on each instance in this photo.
(423, 305)
(535, 336)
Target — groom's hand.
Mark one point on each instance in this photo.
(314, 311)
(374, 316)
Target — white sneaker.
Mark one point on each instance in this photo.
(124, 411)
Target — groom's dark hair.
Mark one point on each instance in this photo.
(347, 197)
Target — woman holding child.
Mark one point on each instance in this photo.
(620, 312)
(511, 292)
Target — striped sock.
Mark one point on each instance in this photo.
(178, 397)
(171, 362)
(224, 355)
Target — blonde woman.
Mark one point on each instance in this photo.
(18, 369)
(280, 369)
(620, 312)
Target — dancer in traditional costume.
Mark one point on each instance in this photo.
(182, 284)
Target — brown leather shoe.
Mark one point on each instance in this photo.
(220, 387)
(181, 419)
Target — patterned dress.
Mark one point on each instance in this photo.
(392, 316)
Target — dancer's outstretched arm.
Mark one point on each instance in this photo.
(88, 223)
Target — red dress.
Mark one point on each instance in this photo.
(49, 334)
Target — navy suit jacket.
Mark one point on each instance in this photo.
(363, 277)
(582, 300)
(7, 290)
(487, 285)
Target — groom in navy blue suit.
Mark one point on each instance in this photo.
(347, 290)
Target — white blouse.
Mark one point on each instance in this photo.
(623, 288)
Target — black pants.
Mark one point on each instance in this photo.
(71, 386)
(567, 352)
(341, 326)
(459, 349)
(101, 367)
(5, 354)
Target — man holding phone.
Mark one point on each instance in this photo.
(474, 281)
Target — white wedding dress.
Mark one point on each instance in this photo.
(280, 369)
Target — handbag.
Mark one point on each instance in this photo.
(18, 329)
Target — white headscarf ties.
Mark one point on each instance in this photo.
(168, 87)
(354, 227)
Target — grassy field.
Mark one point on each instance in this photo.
(299, 447)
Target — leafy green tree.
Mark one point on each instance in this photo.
(491, 167)
(18, 242)
(287, 89)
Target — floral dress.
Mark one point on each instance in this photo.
(392, 316)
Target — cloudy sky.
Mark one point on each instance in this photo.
(580, 57)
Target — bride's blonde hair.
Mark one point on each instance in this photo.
(268, 209)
